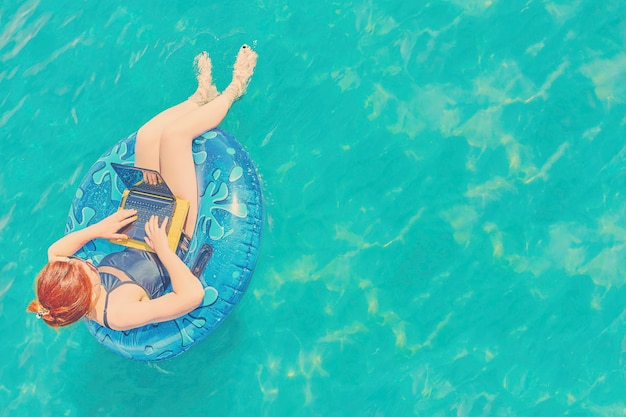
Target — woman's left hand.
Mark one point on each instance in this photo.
(109, 227)
(157, 235)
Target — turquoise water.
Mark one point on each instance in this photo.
(445, 224)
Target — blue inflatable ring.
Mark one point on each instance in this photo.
(229, 220)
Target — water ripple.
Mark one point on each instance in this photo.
(16, 32)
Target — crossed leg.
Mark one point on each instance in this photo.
(148, 137)
(147, 143)
(164, 143)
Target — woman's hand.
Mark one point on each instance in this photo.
(109, 227)
(150, 177)
(157, 235)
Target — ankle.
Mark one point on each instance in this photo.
(233, 92)
(197, 98)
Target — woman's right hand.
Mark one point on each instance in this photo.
(109, 227)
(157, 235)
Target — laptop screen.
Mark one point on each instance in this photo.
(142, 179)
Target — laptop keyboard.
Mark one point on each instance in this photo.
(146, 207)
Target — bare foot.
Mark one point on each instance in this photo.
(206, 90)
(243, 70)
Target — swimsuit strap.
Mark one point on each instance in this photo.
(106, 303)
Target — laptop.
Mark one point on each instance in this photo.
(147, 192)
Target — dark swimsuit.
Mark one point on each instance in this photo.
(143, 268)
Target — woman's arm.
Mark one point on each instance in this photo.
(187, 291)
(106, 228)
(184, 283)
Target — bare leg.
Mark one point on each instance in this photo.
(176, 158)
(149, 135)
(147, 142)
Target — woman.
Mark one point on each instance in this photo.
(126, 289)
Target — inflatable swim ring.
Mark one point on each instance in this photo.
(229, 224)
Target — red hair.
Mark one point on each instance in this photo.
(63, 294)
